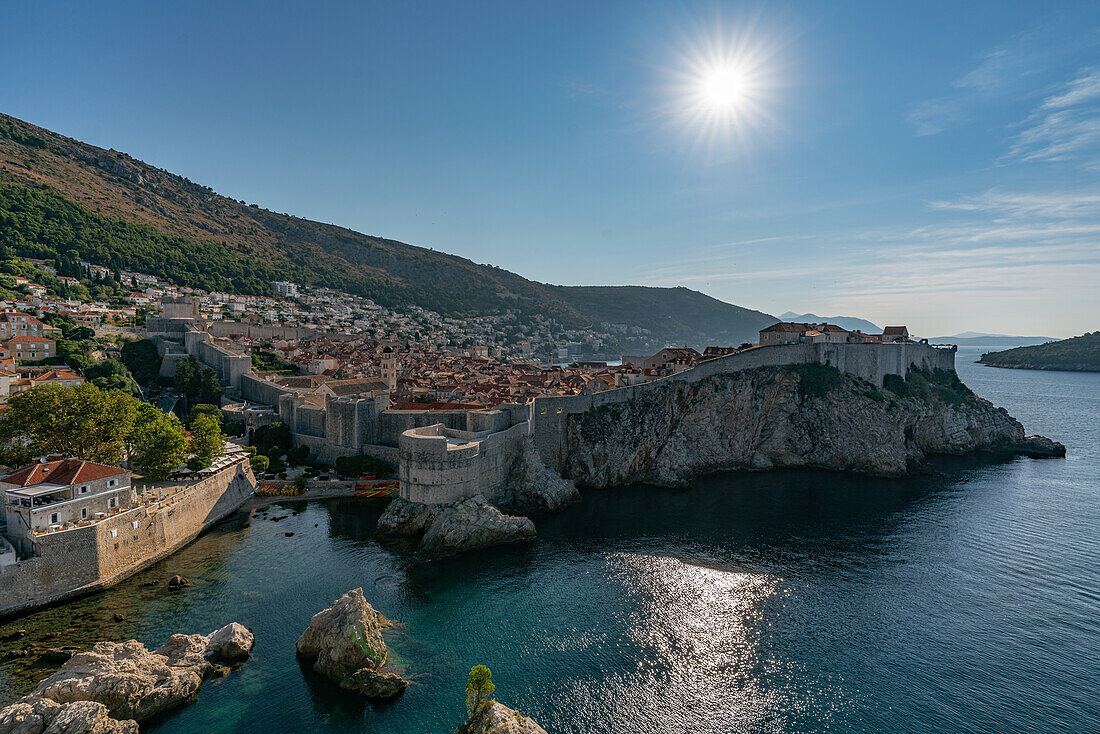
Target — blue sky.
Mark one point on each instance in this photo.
(934, 164)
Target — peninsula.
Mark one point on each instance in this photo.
(1078, 354)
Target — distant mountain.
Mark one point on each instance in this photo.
(977, 339)
(1079, 354)
(851, 323)
(60, 196)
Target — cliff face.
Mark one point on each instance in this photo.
(807, 416)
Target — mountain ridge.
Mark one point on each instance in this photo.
(58, 193)
(851, 323)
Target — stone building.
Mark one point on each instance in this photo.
(55, 494)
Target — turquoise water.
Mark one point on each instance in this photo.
(968, 600)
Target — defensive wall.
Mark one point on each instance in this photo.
(871, 362)
(85, 559)
(224, 327)
(444, 455)
(231, 367)
(439, 465)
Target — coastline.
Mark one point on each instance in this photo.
(1039, 367)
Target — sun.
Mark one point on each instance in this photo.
(723, 89)
(722, 85)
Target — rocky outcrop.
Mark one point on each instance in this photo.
(403, 518)
(534, 487)
(345, 643)
(496, 718)
(474, 524)
(43, 716)
(449, 529)
(806, 416)
(109, 687)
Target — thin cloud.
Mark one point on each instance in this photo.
(1065, 127)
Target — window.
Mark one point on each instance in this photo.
(55, 517)
(84, 489)
(83, 513)
(114, 533)
(112, 482)
(112, 503)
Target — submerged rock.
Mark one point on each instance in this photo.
(178, 582)
(474, 524)
(496, 718)
(127, 681)
(43, 716)
(345, 643)
(377, 685)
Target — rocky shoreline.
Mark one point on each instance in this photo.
(769, 418)
(115, 685)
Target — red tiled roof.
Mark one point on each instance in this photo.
(65, 471)
(59, 375)
(29, 339)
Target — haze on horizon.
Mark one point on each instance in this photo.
(935, 165)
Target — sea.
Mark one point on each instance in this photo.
(964, 600)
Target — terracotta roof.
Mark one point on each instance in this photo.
(65, 471)
(59, 375)
(29, 339)
(787, 326)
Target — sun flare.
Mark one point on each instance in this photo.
(724, 89)
(723, 86)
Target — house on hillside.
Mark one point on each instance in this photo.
(30, 347)
(53, 495)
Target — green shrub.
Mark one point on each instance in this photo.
(816, 380)
(875, 395)
(354, 466)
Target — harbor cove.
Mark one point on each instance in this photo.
(549, 368)
(961, 599)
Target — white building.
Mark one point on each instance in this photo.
(283, 289)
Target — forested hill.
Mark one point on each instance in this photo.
(1079, 354)
(58, 194)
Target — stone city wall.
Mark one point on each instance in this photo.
(438, 465)
(82, 560)
(231, 367)
(871, 362)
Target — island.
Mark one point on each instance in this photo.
(1078, 354)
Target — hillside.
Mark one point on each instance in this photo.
(1079, 354)
(59, 195)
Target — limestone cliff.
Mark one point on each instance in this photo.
(771, 417)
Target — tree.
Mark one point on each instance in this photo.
(479, 688)
(110, 374)
(205, 409)
(142, 359)
(83, 422)
(272, 437)
(297, 455)
(206, 438)
(210, 390)
(188, 378)
(158, 446)
(259, 463)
